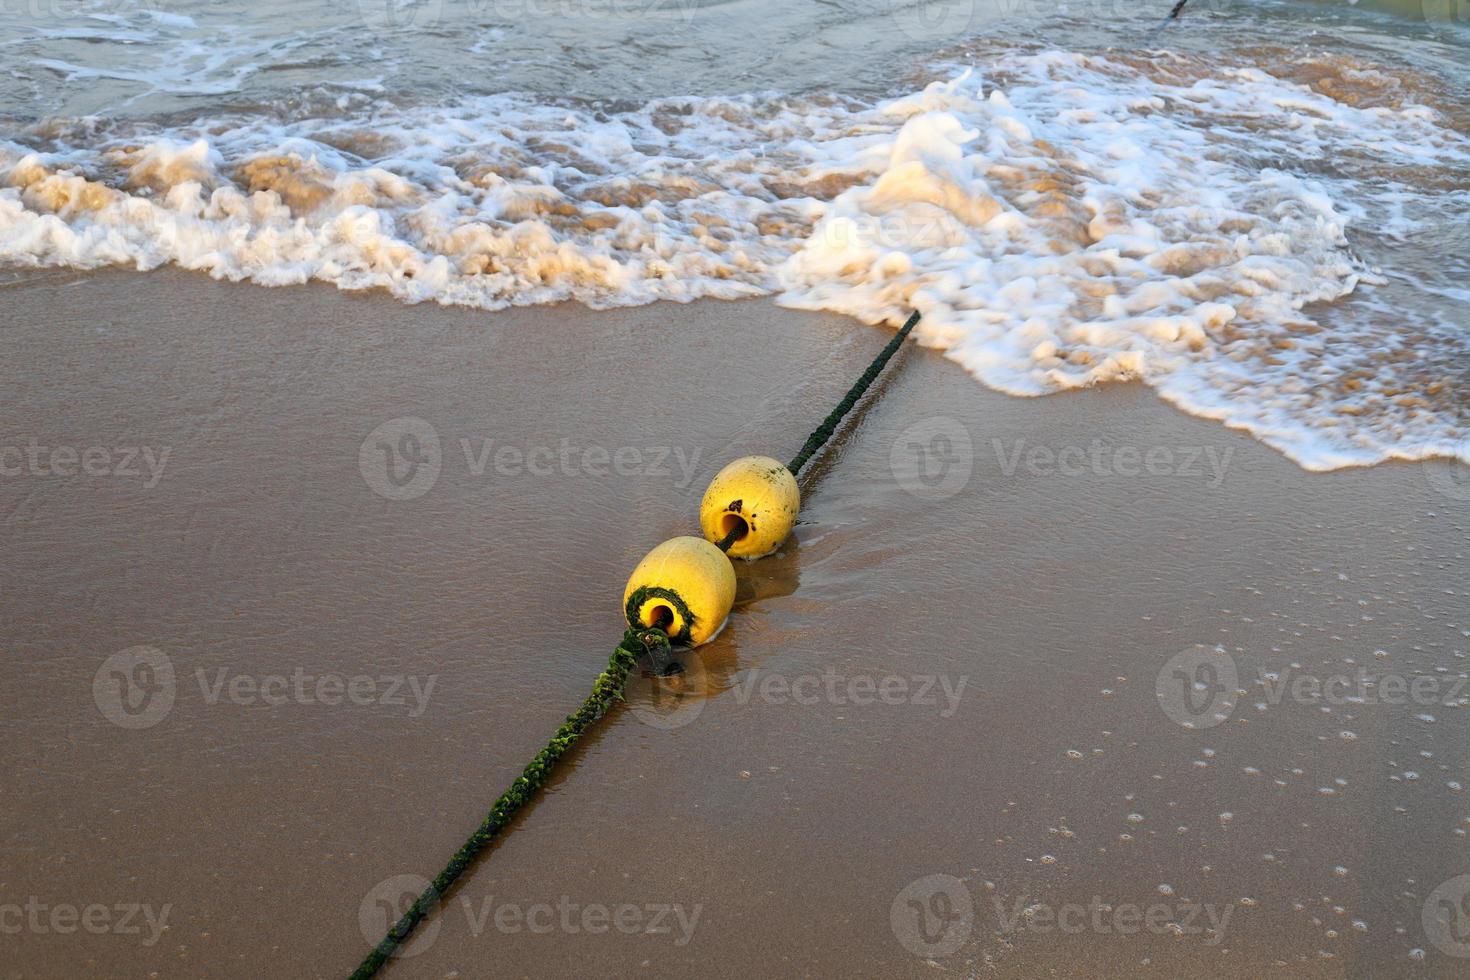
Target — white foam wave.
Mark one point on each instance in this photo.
(1077, 220)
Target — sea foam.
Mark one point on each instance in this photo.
(1061, 220)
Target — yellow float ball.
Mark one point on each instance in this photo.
(686, 586)
(755, 496)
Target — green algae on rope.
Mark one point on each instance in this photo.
(824, 431)
(606, 690)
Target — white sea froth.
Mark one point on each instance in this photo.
(1063, 220)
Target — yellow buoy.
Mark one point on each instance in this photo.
(686, 586)
(757, 497)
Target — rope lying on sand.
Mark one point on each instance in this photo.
(824, 431)
(606, 690)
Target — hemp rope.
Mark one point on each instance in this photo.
(606, 690)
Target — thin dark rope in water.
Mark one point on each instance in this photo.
(1173, 14)
(606, 691)
(824, 431)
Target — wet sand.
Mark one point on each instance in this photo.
(960, 665)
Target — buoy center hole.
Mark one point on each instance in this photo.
(736, 523)
(661, 617)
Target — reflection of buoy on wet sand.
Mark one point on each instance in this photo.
(671, 700)
(685, 587)
(756, 499)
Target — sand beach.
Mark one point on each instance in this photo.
(955, 686)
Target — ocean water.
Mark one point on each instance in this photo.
(1262, 211)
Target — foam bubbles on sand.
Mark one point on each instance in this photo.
(1063, 221)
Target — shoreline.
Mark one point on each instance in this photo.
(1002, 589)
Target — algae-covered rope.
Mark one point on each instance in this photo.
(607, 689)
(824, 431)
(834, 418)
